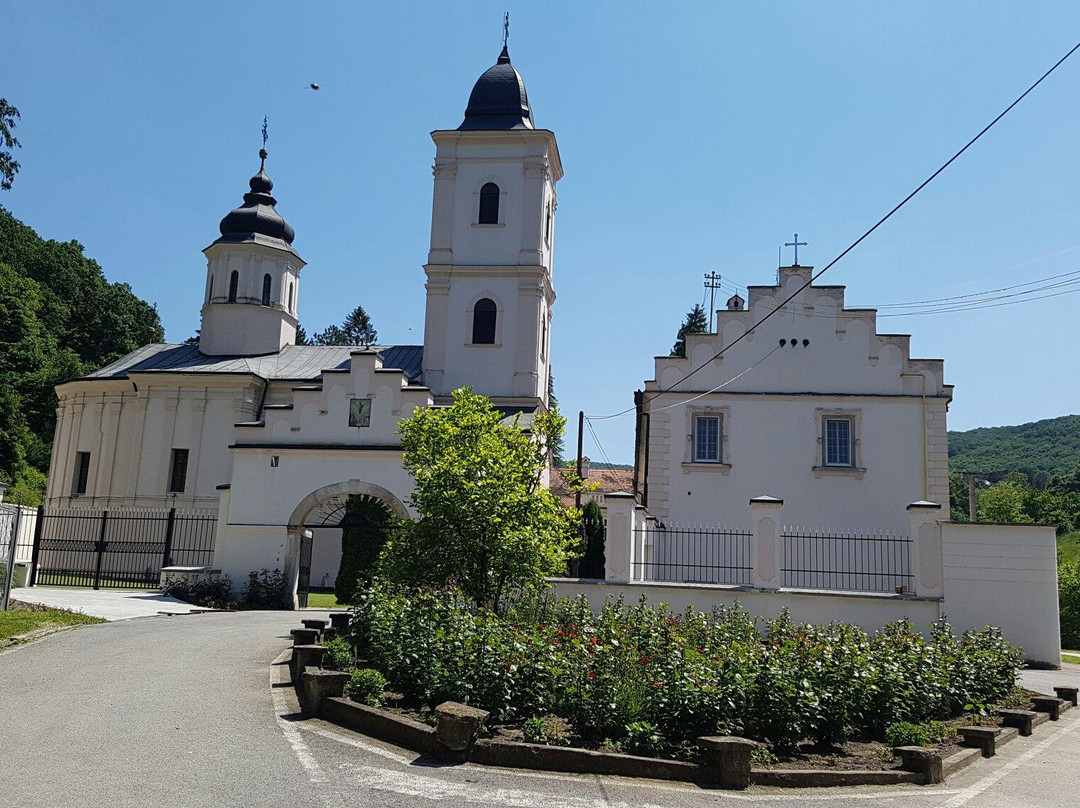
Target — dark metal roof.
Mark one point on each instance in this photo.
(498, 99)
(293, 362)
(257, 216)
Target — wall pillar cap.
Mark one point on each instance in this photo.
(766, 500)
(924, 505)
(618, 495)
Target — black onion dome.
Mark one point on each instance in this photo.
(498, 99)
(257, 216)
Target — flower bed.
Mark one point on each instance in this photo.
(649, 681)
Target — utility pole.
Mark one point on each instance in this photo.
(580, 444)
(712, 283)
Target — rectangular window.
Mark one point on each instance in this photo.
(838, 444)
(82, 473)
(178, 475)
(707, 439)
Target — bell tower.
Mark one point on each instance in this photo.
(489, 280)
(252, 278)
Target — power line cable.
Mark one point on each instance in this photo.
(876, 225)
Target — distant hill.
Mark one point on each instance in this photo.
(1038, 449)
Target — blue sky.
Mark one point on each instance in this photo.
(695, 137)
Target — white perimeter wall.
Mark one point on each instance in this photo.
(1005, 576)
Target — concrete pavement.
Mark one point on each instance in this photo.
(110, 604)
(190, 711)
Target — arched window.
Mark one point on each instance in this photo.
(489, 204)
(483, 322)
(234, 281)
(290, 296)
(266, 290)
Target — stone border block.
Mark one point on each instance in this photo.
(304, 656)
(458, 725)
(304, 636)
(511, 754)
(318, 685)
(727, 760)
(1022, 720)
(1048, 704)
(340, 620)
(920, 759)
(1067, 693)
(318, 625)
(982, 738)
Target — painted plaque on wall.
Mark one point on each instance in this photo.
(360, 412)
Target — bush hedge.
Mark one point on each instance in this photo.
(1069, 603)
(682, 675)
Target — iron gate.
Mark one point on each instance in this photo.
(123, 548)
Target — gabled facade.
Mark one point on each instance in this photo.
(814, 406)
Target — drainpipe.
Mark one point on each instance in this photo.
(925, 460)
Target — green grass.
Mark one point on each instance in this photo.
(23, 619)
(1071, 656)
(1069, 548)
(324, 600)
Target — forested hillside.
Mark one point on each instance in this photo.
(1040, 449)
(59, 319)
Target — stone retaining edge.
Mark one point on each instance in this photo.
(826, 778)
(515, 755)
(381, 724)
(961, 760)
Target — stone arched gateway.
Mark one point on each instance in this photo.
(321, 508)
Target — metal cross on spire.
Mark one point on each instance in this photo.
(265, 135)
(796, 244)
(506, 27)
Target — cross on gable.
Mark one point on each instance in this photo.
(796, 244)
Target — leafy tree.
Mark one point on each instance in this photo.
(356, 329)
(302, 336)
(487, 523)
(9, 167)
(695, 323)
(1051, 446)
(365, 529)
(559, 446)
(958, 497)
(1003, 502)
(59, 319)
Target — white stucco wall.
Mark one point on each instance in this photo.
(1005, 576)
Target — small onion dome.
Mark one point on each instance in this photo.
(257, 215)
(498, 99)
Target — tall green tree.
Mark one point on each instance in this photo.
(59, 319)
(9, 167)
(695, 322)
(487, 524)
(355, 329)
(558, 447)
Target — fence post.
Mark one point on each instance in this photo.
(927, 564)
(166, 556)
(38, 527)
(766, 547)
(100, 550)
(620, 536)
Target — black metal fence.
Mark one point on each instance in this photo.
(691, 554)
(118, 547)
(869, 562)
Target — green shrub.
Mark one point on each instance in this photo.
(544, 731)
(339, 654)
(366, 686)
(937, 731)
(265, 590)
(684, 674)
(213, 594)
(642, 738)
(904, 733)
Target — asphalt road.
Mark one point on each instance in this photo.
(191, 711)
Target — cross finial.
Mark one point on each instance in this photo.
(265, 136)
(796, 244)
(506, 27)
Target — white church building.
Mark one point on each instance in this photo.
(797, 462)
(278, 436)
